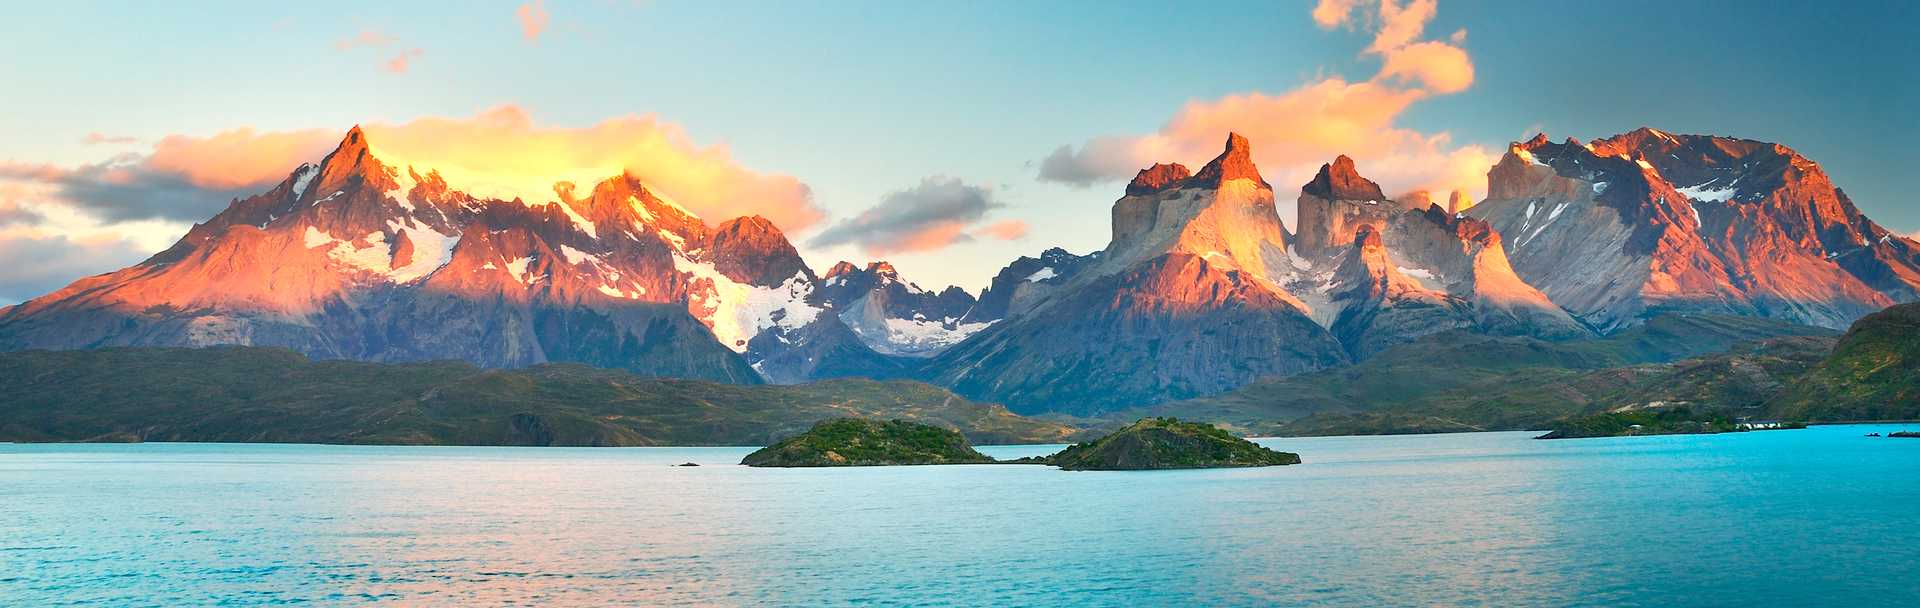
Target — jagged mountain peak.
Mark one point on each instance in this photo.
(1160, 176)
(1340, 180)
(1457, 202)
(754, 251)
(1335, 204)
(352, 159)
(1234, 162)
(839, 268)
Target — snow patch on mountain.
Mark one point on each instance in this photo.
(1706, 195)
(920, 336)
(431, 250)
(374, 254)
(580, 221)
(303, 177)
(518, 268)
(736, 312)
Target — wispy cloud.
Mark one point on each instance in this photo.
(378, 41)
(98, 138)
(533, 20)
(399, 63)
(933, 214)
(1005, 230)
(368, 37)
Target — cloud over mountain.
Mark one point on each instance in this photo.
(501, 152)
(150, 197)
(933, 214)
(1296, 130)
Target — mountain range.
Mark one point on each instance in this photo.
(1201, 290)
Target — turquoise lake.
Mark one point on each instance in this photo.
(1822, 516)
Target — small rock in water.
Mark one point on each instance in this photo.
(687, 464)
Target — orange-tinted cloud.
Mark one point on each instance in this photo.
(399, 63)
(1295, 131)
(1440, 67)
(367, 37)
(1401, 24)
(1330, 14)
(239, 158)
(498, 153)
(1006, 230)
(533, 19)
(502, 153)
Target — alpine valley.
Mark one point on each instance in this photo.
(1635, 255)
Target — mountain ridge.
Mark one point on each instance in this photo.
(1201, 289)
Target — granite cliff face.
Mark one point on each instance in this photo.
(353, 258)
(1649, 222)
(1202, 289)
(1379, 272)
(1182, 302)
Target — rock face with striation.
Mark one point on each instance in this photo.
(1335, 205)
(1182, 302)
(1649, 222)
(1379, 272)
(1202, 290)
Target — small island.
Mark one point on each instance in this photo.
(1656, 421)
(1907, 434)
(1167, 443)
(855, 442)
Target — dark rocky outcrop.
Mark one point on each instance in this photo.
(1235, 162)
(1340, 180)
(1160, 176)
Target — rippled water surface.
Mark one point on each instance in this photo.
(1821, 516)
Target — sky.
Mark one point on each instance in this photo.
(947, 139)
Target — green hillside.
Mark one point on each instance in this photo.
(243, 394)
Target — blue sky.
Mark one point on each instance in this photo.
(861, 100)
